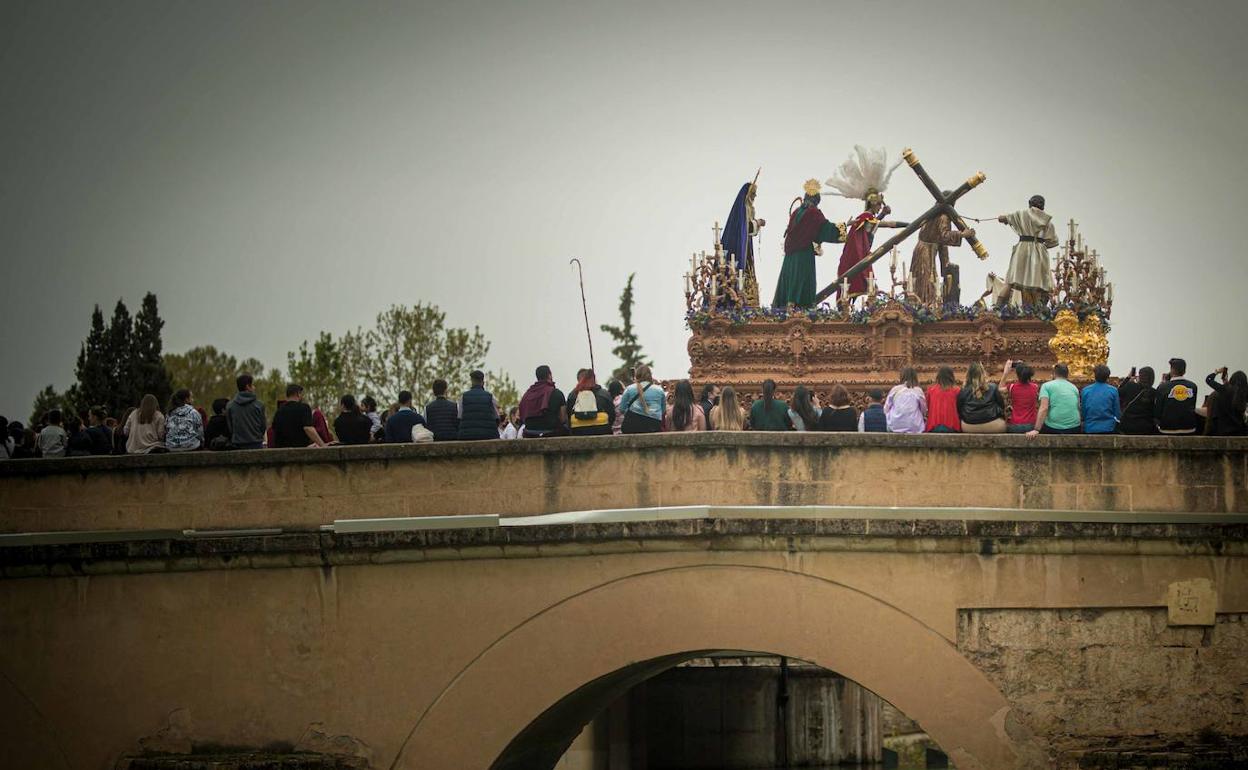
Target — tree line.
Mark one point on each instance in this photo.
(406, 348)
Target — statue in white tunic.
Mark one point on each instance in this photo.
(1030, 272)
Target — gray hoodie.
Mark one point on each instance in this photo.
(245, 415)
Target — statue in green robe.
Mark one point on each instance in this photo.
(808, 228)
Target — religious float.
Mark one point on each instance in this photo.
(860, 333)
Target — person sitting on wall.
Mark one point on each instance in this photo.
(1098, 403)
(942, 404)
(839, 416)
(769, 412)
(1059, 405)
(906, 406)
(873, 419)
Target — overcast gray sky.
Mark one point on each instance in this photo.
(274, 169)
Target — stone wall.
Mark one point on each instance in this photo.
(1096, 682)
(302, 489)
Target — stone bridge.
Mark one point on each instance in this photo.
(1030, 603)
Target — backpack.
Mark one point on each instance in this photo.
(585, 413)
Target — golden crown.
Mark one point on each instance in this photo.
(811, 187)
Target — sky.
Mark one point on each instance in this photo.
(274, 169)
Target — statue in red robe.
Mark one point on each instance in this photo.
(860, 234)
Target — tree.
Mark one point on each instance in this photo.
(407, 349)
(207, 372)
(123, 377)
(627, 348)
(150, 374)
(45, 401)
(503, 388)
(319, 370)
(94, 370)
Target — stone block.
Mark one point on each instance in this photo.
(1103, 497)
(1078, 468)
(1191, 602)
(872, 493)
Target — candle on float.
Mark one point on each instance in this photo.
(693, 262)
(715, 286)
(871, 286)
(845, 290)
(740, 281)
(894, 258)
(1109, 292)
(688, 283)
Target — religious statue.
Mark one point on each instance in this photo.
(808, 228)
(864, 175)
(738, 238)
(1029, 271)
(935, 238)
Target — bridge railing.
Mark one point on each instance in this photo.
(304, 490)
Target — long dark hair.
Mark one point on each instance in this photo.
(682, 405)
(803, 407)
(769, 392)
(347, 402)
(944, 378)
(910, 377)
(1238, 387)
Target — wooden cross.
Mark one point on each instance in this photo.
(944, 205)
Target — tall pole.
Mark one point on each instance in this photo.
(584, 309)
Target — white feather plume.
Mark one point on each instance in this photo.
(865, 169)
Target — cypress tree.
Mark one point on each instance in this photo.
(93, 368)
(627, 349)
(123, 388)
(146, 351)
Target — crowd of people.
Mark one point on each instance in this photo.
(1014, 403)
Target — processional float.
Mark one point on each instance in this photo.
(864, 344)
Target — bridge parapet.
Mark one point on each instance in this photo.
(305, 489)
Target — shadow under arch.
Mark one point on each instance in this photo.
(629, 629)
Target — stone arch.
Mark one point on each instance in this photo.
(674, 612)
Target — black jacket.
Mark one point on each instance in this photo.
(1136, 402)
(1224, 418)
(1174, 406)
(986, 408)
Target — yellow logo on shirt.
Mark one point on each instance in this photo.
(1180, 393)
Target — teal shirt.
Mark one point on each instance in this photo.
(1063, 404)
(776, 418)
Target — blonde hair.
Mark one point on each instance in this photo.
(975, 379)
(728, 415)
(148, 408)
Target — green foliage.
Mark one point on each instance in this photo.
(149, 366)
(94, 370)
(45, 401)
(319, 370)
(627, 348)
(503, 388)
(406, 349)
(123, 388)
(207, 372)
